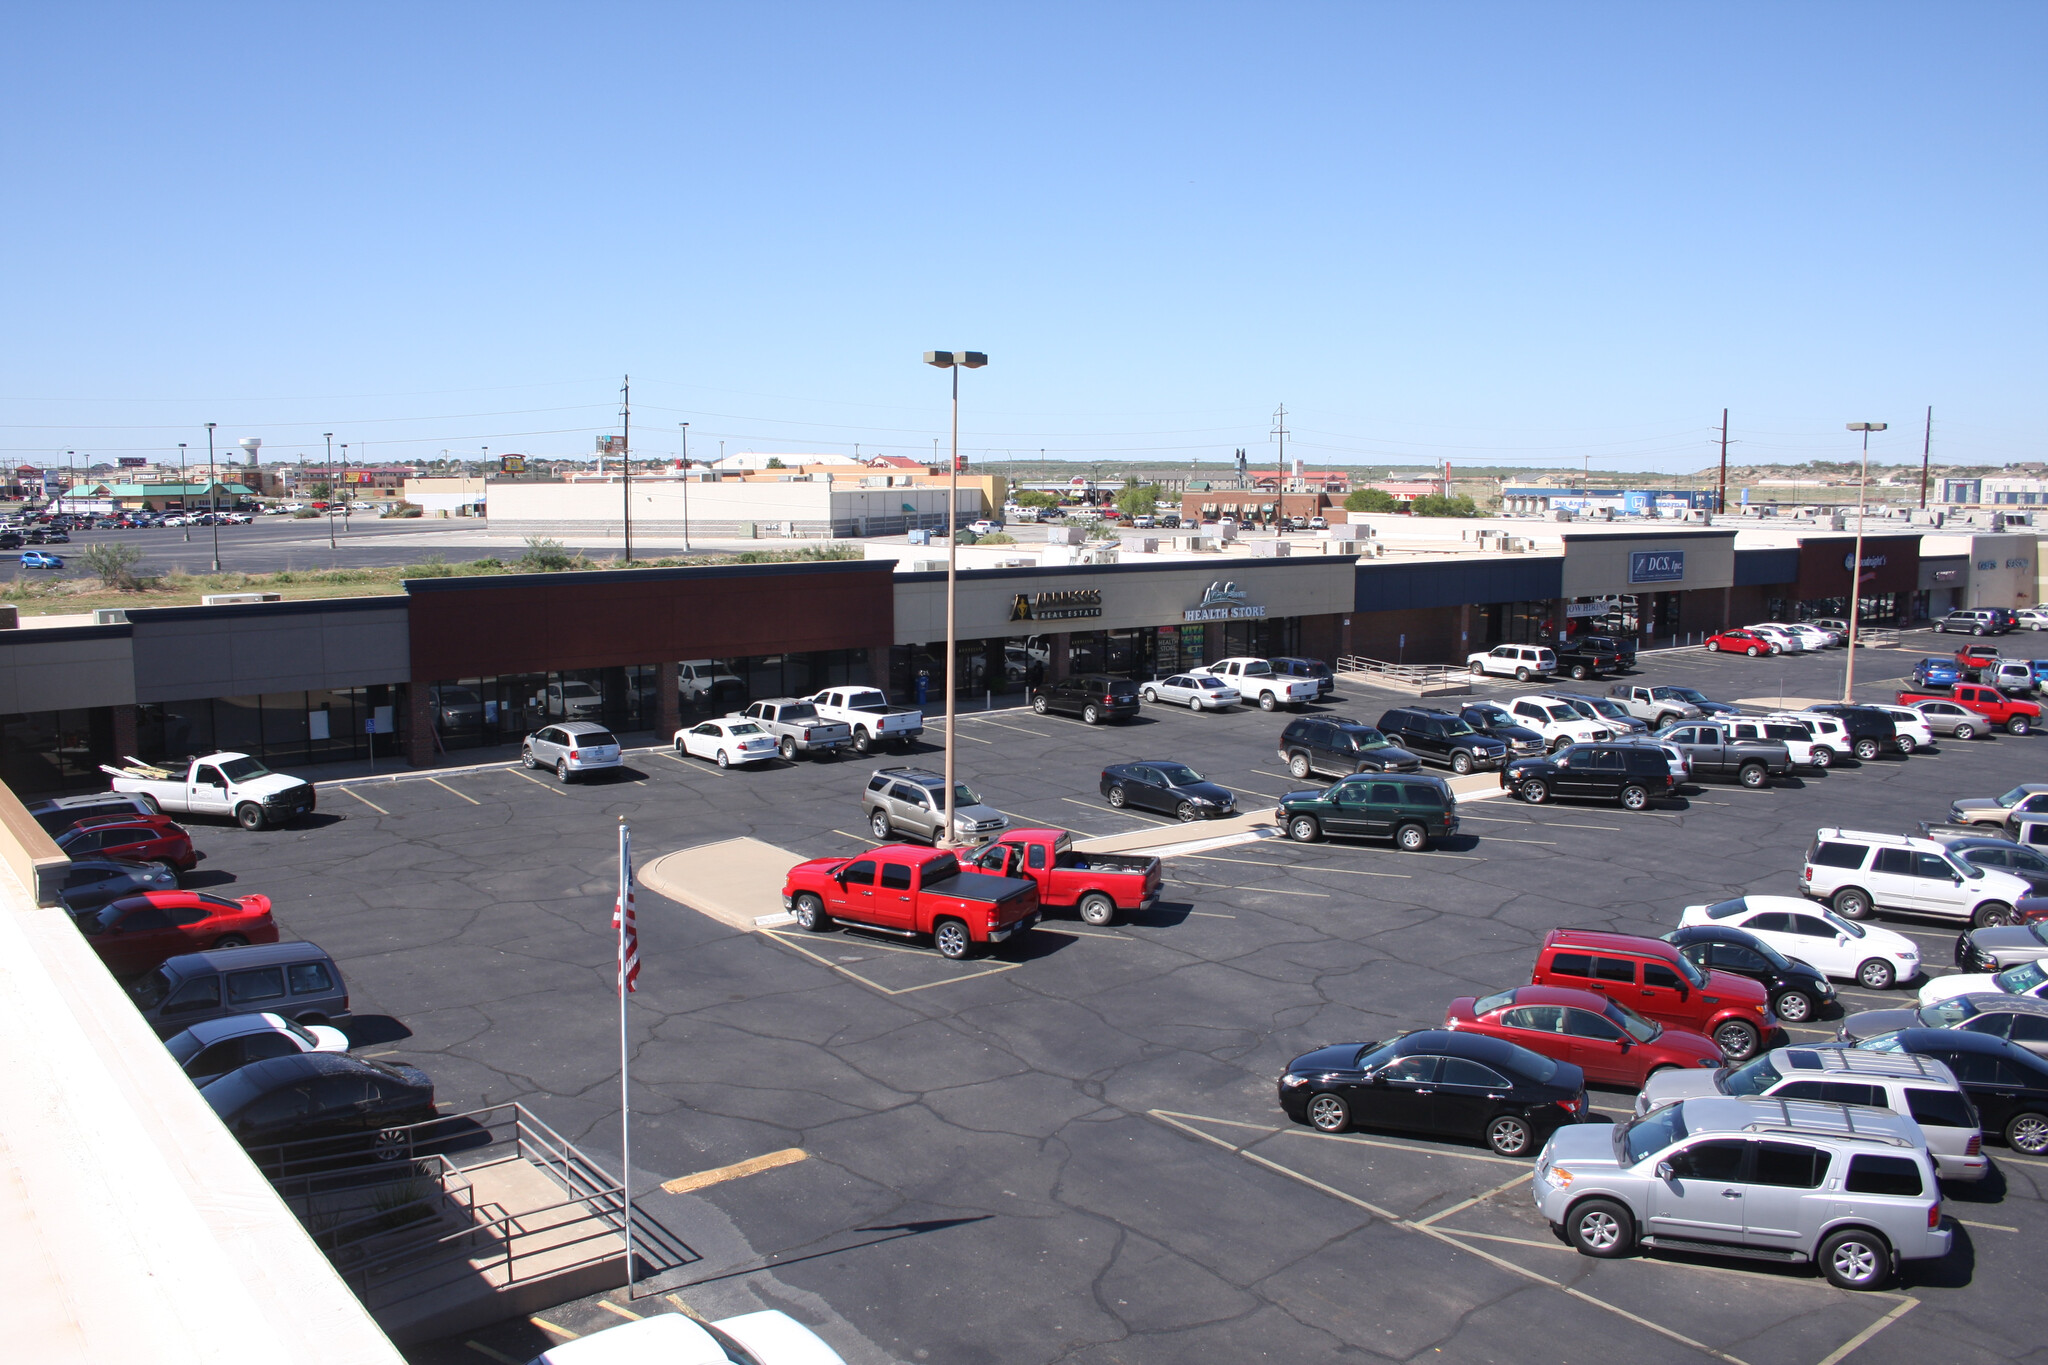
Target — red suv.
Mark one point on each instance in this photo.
(1604, 1038)
(140, 933)
(138, 838)
(1652, 978)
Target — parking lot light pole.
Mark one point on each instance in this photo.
(954, 361)
(213, 490)
(1856, 558)
(184, 490)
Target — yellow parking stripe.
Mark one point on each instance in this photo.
(366, 801)
(452, 792)
(739, 1170)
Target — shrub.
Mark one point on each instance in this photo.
(484, 566)
(1137, 501)
(545, 556)
(1371, 500)
(113, 562)
(998, 538)
(433, 566)
(1436, 505)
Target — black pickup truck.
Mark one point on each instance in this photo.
(1588, 657)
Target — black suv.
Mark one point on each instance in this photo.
(1622, 650)
(1341, 746)
(1628, 773)
(1094, 697)
(1313, 669)
(1871, 731)
(1412, 811)
(1799, 993)
(1440, 736)
(1490, 719)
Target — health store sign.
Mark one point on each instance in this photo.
(1656, 566)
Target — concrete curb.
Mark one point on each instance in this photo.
(737, 882)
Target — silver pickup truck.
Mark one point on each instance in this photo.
(798, 728)
(1716, 752)
(868, 712)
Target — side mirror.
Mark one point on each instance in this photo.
(1627, 1043)
(1665, 1171)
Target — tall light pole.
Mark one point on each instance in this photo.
(626, 461)
(686, 487)
(213, 491)
(954, 361)
(184, 487)
(1856, 558)
(330, 490)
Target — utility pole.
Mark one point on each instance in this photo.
(1856, 561)
(626, 459)
(330, 493)
(184, 489)
(1926, 448)
(1721, 498)
(686, 487)
(1280, 434)
(213, 489)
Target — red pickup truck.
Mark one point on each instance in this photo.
(1098, 885)
(1971, 658)
(2018, 717)
(911, 892)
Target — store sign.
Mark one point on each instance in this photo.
(1056, 606)
(1947, 575)
(1223, 602)
(2019, 563)
(1599, 606)
(1656, 566)
(1876, 561)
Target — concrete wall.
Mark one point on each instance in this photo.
(186, 652)
(58, 669)
(2003, 571)
(1432, 636)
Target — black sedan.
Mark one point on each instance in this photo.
(2007, 1083)
(1437, 1081)
(1799, 992)
(1985, 850)
(1165, 785)
(292, 1112)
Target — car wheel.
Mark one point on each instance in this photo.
(951, 938)
(1097, 908)
(2028, 1133)
(1535, 791)
(1091, 715)
(391, 1143)
(1411, 838)
(1713, 646)
(2018, 725)
(1752, 651)
(1194, 703)
(679, 750)
(1851, 902)
(1298, 766)
(1477, 671)
(1794, 1007)
(1823, 756)
(810, 913)
(1510, 1135)
(878, 825)
(1601, 1227)
(1866, 749)
(863, 742)
(1267, 701)
(1579, 672)
(724, 759)
(562, 769)
(249, 815)
(1303, 829)
(1461, 763)
(231, 941)
(1634, 797)
(1753, 775)
(1328, 1113)
(1521, 675)
(1736, 1039)
(1150, 695)
(1117, 797)
(1038, 705)
(1966, 731)
(1187, 812)
(1993, 913)
(1976, 630)
(1876, 975)
(526, 759)
(1855, 1259)
(1907, 744)
(788, 748)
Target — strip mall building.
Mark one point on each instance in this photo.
(458, 663)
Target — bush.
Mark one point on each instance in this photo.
(304, 514)
(484, 566)
(1436, 505)
(1032, 497)
(113, 562)
(1137, 501)
(409, 510)
(545, 556)
(1371, 500)
(434, 566)
(998, 538)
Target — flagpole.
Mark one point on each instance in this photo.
(622, 915)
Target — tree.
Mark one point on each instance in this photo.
(1371, 500)
(113, 562)
(1437, 505)
(1032, 497)
(775, 462)
(1137, 500)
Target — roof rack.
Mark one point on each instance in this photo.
(1786, 1123)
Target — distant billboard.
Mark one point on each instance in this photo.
(512, 464)
(132, 462)
(611, 445)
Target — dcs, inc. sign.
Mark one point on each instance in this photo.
(1656, 566)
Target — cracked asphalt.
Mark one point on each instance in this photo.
(1080, 1159)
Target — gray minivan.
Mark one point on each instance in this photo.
(296, 980)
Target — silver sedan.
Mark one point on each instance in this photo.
(1195, 693)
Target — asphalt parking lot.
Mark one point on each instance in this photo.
(1070, 1150)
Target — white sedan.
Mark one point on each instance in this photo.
(1782, 636)
(727, 742)
(1873, 958)
(2029, 978)
(1195, 693)
(770, 1337)
(1815, 637)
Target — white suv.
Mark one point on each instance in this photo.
(1557, 720)
(1799, 741)
(1857, 872)
(1520, 662)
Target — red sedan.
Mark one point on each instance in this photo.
(138, 838)
(1741, 642)
(1609, 1041)
(137, 934)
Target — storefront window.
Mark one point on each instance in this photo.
(45, 752)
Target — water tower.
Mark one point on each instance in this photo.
(250, 445)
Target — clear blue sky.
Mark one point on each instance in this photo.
(1483, 232)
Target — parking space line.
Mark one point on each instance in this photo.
(1210, 914)
(484, 1350)
(1477, 1198)
(878, 986)
(547, 1326)
(366, 801)
(1904, 1307)
(1018, 728)
(625, 1313)
(1994, 1227)
(1121, 810)
(536, 782)
(1295, 867)
(1251, 890)
(738, 1170)
(862, 837)
(450, 790)
(1503, 839)
(679, 760)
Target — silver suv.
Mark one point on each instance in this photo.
(1922, 1088)
(911, 801)
(1850, 1189)
(571, 747)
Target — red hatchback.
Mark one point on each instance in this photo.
(138, 934)
(1610, 1042)
(1741, 642)
(138, 838)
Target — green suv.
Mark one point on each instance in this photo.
(1410, 809)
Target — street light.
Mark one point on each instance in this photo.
(954, 361)
(330, 489)
(1856, 558)
(184, 490)
(686, 487)
(213, 490)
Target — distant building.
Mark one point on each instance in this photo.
(749, 461)
(1620, 502)
(2000, 492)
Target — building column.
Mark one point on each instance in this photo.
(1057, 667)
(1727, 607)
(1343, 637)
(1464, 633)
(668, 687)
(126, 734)
(419, 730)
(878, 666)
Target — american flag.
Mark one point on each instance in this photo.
(622, 917)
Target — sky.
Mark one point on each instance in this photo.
(1488, 233)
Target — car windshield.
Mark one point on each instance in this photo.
(1651, 1133)
(1177, 774)
(1611, 710)
(184, 1047)
(298, 1031)
(1368, 739)
(1487, 1004)
(2021, 979)
(1723, 909)
(1213, 684)
(1751, 1079)
(1687, 970)
(1454, 726)
(242, 769)
(800, 711)
(1583, 708)
(1637, 1027)
(1493, 715)
(2039, 929)
(1843, 926)
(1559, 712)
(1691, 694)
(746, 727)
(963, 795)
(1947, 1013)
(1370, 1057)
(150, 990)
(2013, 797)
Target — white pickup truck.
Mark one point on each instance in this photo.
(1256, 682)
(873, 720)
(234, 785)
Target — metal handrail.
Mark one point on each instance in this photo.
(1408, 673)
